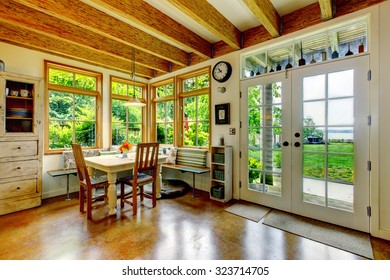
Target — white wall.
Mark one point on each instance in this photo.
(30, 62)
(381, 220)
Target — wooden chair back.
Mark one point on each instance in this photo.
(146, 158)
(82, 169)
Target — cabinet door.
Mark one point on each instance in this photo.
(18, 105)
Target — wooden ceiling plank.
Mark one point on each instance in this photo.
(210, 18)
(34, 40)
(158, 23)
(267, 14)
(99, 22)
(326, 9)
(53, 27)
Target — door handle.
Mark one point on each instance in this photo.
(297, 144)
(285, 143)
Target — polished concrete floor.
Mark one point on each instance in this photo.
(183, 228)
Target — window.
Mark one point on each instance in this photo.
(348, 39)
(126, 122)
(194, 100)
(164, 112)
(73, 102)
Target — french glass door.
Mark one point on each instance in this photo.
(265, 137)
(305, 141)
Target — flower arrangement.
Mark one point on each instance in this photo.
(125, 147)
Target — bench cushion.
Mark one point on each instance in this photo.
(69, 158)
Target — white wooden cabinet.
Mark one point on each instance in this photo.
(221, 168)
(20, 142)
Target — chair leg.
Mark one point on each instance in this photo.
(89, 203)
(122, 195)
(141, 193)
(134, 199)
(81, 198)
(154, 194)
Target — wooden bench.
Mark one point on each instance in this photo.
(190, 160)
(70, 165)
(62, 172)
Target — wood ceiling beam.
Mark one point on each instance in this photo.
(37, 41)
(151, 19)
(267, 14)
(52, 27)
(210, 18)
(326, 9)
(99, 22)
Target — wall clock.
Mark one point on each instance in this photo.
(222, 71)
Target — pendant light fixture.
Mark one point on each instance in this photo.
(133, 101)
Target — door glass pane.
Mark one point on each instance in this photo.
(314, 165)
(341, 140)
(314, 191)
(340, 112)
(340, 196)
(314, 87)
(328, 140)
(254, 138)
(340, 167)
(340, 84)
(264, 138)
(254, 117)
(314, 113)
(254, 96)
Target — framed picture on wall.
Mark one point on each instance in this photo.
(222, 113)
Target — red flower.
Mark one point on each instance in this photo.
(125, 147)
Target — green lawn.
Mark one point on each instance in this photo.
(340, 161)
(340, 167)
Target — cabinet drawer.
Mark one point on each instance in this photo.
(19, 188)
(14, 169)
(18, 148)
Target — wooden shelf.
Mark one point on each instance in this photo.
(221, 165)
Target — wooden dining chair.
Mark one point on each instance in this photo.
(87, 184)
(144, 172)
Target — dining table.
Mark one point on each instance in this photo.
(112, 164)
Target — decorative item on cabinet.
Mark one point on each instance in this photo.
(289, 65)
(302, 61)
(349, 50)
(323, 56)
(335, 54)
(2, 65)
(361, 47)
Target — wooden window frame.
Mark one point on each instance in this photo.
(73, 90)
(180, 103)
(155, 100)
(129, 82)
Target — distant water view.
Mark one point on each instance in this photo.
(338, 135)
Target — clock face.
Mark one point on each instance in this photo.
(222, 71)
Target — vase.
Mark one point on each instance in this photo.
(124, 155)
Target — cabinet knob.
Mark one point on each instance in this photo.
(18, 188)
(19, 148)
(18, 167)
